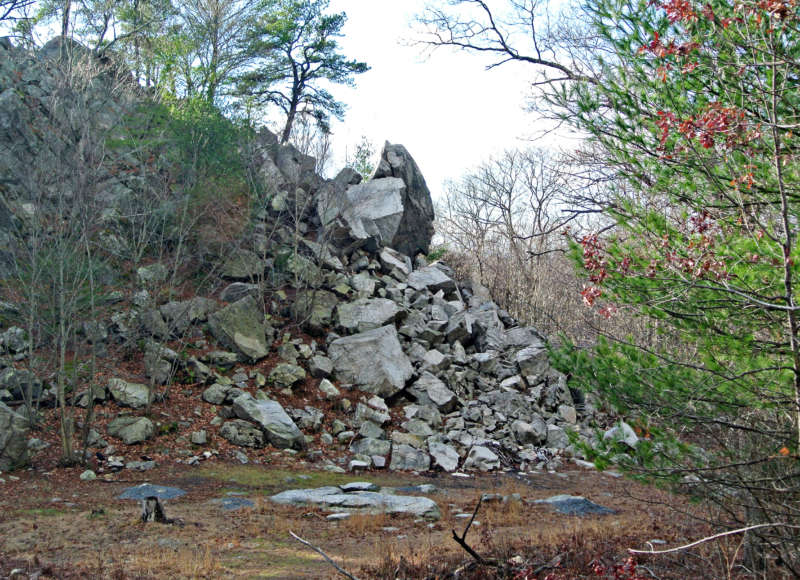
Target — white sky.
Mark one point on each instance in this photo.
(447, 110)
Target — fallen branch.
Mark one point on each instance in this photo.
(324, 555)
(714, 537)
(461, 541)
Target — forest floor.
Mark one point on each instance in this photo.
(53, 523)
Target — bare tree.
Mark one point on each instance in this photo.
(13, 9)
(516, 31)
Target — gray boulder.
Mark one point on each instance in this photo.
(557, 437)
(533, 362)
(314, 309)
(622, 432)
(152, 324)
(14, 340)
(20, 383)
(407, 458)
(444, 456)
(320, 366)
(368, 413)
(393, 261)
(431, 279)
(524, 337)
(328, 389)
(460, 328)
(240, 326)
(134, 395)
(13, 439)
(575, 505)
(415, 231)
(287, 374)
(131, 429)
(482, 458)
(276, 424)
(152, 274)
(371, 212)
(335, 497)
(393, 208)
(216, 394)
(242, 433)
(534, 432)
(373, 360)
(241, 264)
(371, 446)
(439, 394)
(181, 315)
(367, 314)
(238, 290)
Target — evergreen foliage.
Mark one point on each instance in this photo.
(297, 55)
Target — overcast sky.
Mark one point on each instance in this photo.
(445, 108)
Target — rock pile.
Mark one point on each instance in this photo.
(449, 380)
(471, 387)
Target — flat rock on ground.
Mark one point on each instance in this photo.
(335, 497)
(575, 505)
(146, 490)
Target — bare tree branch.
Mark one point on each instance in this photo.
(328, 559)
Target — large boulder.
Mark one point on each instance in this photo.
(13, 439)
(131, 429)
(273, 420)
(242, 433)
(181, 315)
(415, 231)
(444, 455)
(373, 211)
(20, 383)
(406, 458)
(314, 309)
(373, 360)
(367, 314)
(393, 208)
(241, 264)
(240, 326)
(134, 395)
(431, 279)
(482, 458)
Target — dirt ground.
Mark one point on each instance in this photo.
(56, 524)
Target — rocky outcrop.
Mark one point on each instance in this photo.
(393, 209)
(414, 233)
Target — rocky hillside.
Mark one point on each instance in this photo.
(313, 323)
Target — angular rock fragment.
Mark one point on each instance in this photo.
(240, 326)
(373, 360)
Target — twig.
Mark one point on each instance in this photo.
(461, 540)
(324, 555)
(554, 563)
(714, 537)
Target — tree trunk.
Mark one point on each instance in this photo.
(65, 18)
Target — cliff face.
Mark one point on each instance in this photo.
(304, 288)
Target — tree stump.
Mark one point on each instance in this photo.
(153, 511)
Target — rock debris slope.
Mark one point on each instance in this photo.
(448, 380)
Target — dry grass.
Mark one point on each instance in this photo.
(255, 543)
(361, 524)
